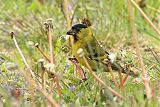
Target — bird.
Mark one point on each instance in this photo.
(96, 56)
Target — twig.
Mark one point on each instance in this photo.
(66, 11)
(58, 87)
(121, 82)
(43, 76)
(74, 10)
(37, 46)
(21, 54)
(125, 78)
(145, 17)
(111, 72)
(24, 60)
(52, 61)
(51, 85)
(154, 9)
(120, 77)
(134, 35)
(155, 55)
(49, 98)
(50, 27)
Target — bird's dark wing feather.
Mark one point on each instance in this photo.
(96, 51)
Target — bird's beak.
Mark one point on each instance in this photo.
(70, 32)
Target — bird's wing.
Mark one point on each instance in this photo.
(95, 51)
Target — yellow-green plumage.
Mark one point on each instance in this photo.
(93, 52)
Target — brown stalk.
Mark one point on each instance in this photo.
(111, 72)
(51, 85)
(43, 76)
(40, 50)
(66, 11)
(99, 80)
(49, 26)
(135, 39)
(156, 56)
(33, 79)
(154, 89)
(21, 54)
(125, 78)
(52, 61)
(120, 76)
(121, 82)
(74, 10)
(145, 17)
(58, 87)
(24, 60)
(50, 45)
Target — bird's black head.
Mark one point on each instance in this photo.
(75, 29)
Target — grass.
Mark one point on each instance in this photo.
(110, 25)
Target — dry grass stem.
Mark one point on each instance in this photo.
(66, 11)
(111, 72)
(43, 76)
(52, 61)
(125, 78)
(145, 17)
(50, 46)
(135, 39)
(51, 85)
(43, 53)
(99, 80)
(31, 80)
(152, 8)
(21, 54)
(58, 87)
(120, 76)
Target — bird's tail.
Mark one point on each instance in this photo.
(117, 67)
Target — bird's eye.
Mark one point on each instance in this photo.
(73, 28)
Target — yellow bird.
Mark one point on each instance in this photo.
(96, 56)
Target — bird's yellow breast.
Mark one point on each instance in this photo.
(75, 48)
(95, 65)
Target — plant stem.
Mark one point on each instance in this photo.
(43, 53)
(99, 80)
(66, 11)
(145, 17)
(135, 39)
(21, 54)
